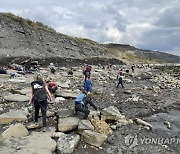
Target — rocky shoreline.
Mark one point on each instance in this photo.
(133, 119)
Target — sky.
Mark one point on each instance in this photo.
(145, 24)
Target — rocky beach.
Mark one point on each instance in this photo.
(143, 117)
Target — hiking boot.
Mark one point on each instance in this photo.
(36, 123)
(44, 129)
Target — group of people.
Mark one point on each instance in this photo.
(41, 91)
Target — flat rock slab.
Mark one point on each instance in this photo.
(63, 113)
(67, 124)
(63, 85)
(59, 99)
(84, 125)
(93, 138)
(66, 94)
(9, 117)
(67, 144)
(33, 126)
(17, 80)
(24, 91)
(111, 113)
(37, 142)
(18, 130)
(16, 98)
(4, 75)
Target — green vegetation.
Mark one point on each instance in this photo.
(36, 25)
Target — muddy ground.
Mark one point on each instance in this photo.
(155, 107)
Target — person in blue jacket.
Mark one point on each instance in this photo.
(87, 85)
(81, 104)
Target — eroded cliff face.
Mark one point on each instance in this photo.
(18, 38)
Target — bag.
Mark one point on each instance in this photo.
(39, 92)
(79, 98)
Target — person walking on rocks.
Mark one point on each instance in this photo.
(132, 68)
(120, 78)
(87, 72)
(39, 97)
(81, 104)
(52, 68)
(87, 85)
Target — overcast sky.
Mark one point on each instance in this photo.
(147, 24)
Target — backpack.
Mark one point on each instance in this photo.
(39, 91)
(80, 98)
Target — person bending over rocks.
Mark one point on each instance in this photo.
(39, 97)
(52, 86)
(81, 104)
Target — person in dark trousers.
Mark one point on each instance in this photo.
(87, 72)
(120, 78)
(132, 68)
(81, 104)
(70, 72)
(39, 97)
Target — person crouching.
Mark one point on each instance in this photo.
(81, 104)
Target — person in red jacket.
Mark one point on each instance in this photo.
(52, 86)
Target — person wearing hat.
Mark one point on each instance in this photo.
(81, 104)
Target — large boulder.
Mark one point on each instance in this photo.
(63, 113)
(67, 144)
(9, 117)
(67, 124)
(111, 113)
(93, 138)
(16, 98)
(24, 91)
(18, 130)
(101, 127)
(84, 125)
(37, 142)
(17, 80)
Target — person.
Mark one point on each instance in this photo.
(120, 72)
(87, 72)
(52, 68)
(132, 68)
(81, 104)
(87, 85)
(27, 66)
(39, 97)
(70, 72)
(12, 75)
(120, 78)
(52, 86)
(2, 71)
